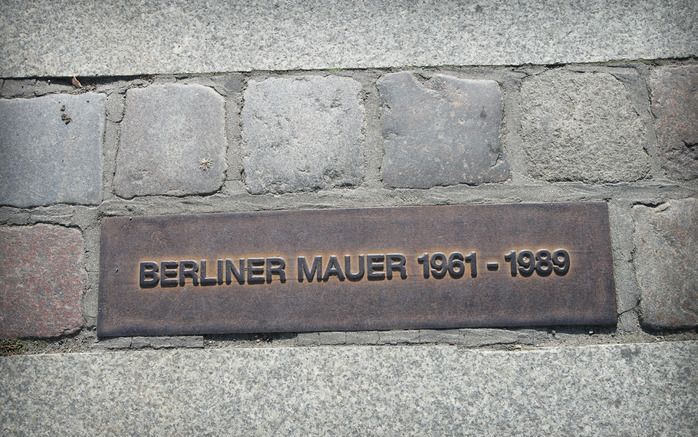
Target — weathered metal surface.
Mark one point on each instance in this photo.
(149, 267)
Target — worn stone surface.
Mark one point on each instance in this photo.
(441, 131)
(301, 133)
(674, 91)
(633, 390)
(491, 337)
(399, 337)
(17, 88)
(581, 127)
(51, 150)
(43, 280)
(627, 291)
(666, 241)
(172, 141)
(182, 341)
(197, 36)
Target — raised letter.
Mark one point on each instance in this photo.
(316, 270)
(188, 269)
(231, 271)
(168, 269)
(149, 277)
(347, 268)
(276, 266)
(203, 279)
(374, 267)
(396, 262)
(333, 268)
(255, 270)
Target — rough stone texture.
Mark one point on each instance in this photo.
(666, 241)
(627, 291)
(16, 88)
(183, 341)
(51, 150)
(581, 127)
(490, 337)
(675, 105)
(46, 38)
(43, 280)
(629, 390)
(191, 341)
(441, 131)
(399, 337)
(172, 141)
(302, 132)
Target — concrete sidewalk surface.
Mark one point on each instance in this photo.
(113, 38)
(619, 389)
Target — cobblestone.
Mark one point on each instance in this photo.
(441, 131)
(302, 133)
(172, 141)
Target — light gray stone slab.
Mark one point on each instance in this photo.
(187, 36)
(666, 243)
(172, 141)
(675, 106)
(625, 390)
(440, 131)
(51, 150)
(582, 127)
(301, 133)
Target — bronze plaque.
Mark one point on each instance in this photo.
(357, 269)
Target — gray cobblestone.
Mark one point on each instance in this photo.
(190, 341)
(51, 149)
(675, 106)
(17, 88)
(332, 338)
(301, 133)
(489, 337)
(441, 131)
(172, 141)
(362, 337)
(446, 336)
(399, 337)
(666, 241)
(582, 127)
(115, 107)
(308, 339)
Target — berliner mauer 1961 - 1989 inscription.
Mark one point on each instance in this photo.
(357, 269)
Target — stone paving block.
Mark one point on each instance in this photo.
(307, 339)
(666, 243)
(488, 337)
(604, 390)
(51, 150)
(43, 280)
(674, 91)
(301, 133)
(441, 131)
(172, 141)
(581, 127)
(17, 88)
(399, 336)
(332, 338)
(445, 336)
(183, 341)
(362, 337)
